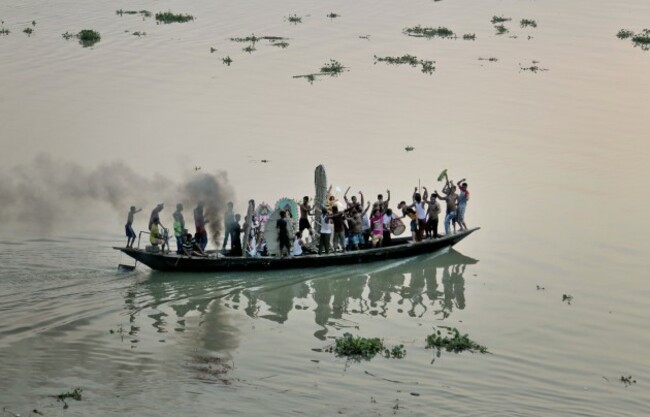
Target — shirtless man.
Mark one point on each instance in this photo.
(201, 235)
(451, 198)
(128, 228)
(305, 211)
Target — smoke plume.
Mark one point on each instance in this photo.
(47, 195)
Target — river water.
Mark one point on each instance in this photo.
(557, 166)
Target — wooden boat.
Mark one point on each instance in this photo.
(400, 248)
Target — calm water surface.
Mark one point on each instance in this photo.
(557, 165)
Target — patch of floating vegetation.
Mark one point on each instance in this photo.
(87, 37)
(469, 36)
(295, 19)
(332, 68)
(253, 39)
(143, 13)
(75, 394)
(501, 29)
(627, 380)
(624, 34)
(227, 60)
(453, 341)
(366, 37)
(28, 31)
(249, 49)
(4, 31)
(139, 34)
(333, 15)
(490, 59)
(169, 17)
(568, 298)
(528, 22)
(429, 32)
(281, 44)
(642, 39)
(412, 60)
(500, 19)
(358, 348)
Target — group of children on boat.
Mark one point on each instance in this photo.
(341, 226)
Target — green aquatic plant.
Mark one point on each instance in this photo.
(491, 59)
(4, 31)
(469, 36)
(88, 37)
(121, 12)
(227, 60)
(568, 298)
(627, 380)
(295, 19)
(75, 394)
(28, 31)
(501, 29)
(624, 34)
(429, 32)
(169, 17)
(251, 39)
(642, 39)
(453, 341)
(249, 49)
(280, 44)
(333, 67)
(333, 15)
(500, 19)
(139, 34)
(33, 22)
(528, 22)
(358, 348)
(412, 60)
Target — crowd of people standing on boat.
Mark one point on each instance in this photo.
(351, 224)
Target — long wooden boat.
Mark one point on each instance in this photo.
(400, 248)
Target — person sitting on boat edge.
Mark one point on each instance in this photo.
(297, 249)
(155, 236)
(191, 247)
(128, 227)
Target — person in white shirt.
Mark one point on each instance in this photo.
(326, 228)
(296, 250)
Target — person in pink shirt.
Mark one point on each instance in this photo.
(377, 225)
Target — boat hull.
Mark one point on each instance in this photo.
(173, 262)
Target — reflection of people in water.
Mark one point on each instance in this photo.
(454, 291)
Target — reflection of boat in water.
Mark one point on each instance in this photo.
(399, 249)
(212, 308)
